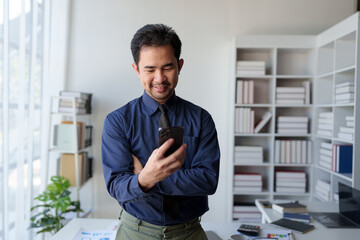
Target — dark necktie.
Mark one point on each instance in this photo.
(170, 204)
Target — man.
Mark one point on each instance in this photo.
(160, 197)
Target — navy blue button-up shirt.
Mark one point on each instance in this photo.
(133, 129)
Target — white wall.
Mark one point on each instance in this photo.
(100, 58)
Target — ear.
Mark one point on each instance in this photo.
(135, 67)
(180, 64)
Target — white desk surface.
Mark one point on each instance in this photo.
(226, 229)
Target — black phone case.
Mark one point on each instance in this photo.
(177, 133)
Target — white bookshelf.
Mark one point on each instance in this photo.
(324, 61)
(82, 192)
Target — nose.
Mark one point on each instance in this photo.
(160, 77)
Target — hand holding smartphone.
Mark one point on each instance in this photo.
(177, 133)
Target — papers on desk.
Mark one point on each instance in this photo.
(102, 234)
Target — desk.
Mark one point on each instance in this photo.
(223, 229)
(320, 231)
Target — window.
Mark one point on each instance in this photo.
(22, 37)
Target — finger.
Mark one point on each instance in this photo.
(166, 145)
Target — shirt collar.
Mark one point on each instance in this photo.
(153, 105)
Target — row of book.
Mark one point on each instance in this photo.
(293, 151)
(63, 137)
(293, 95)
(290, 181)
(322, 190)
(336, 157)
(82, 102)
(250, 68)
(67, 167)
(245, 91)
(347, 132)
(246, 212)
(344, 92)
(292, 124)
(325, 124)
(247, 182)
(245, 121)
(248, 155)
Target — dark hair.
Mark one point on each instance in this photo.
(155, 35)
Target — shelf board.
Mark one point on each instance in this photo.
(294, 105)
(324, 75)
(328, 74)
(294, 76)
(67, 151)
(292, 135)
(343, 140)
(252, 134)
(292, 164)
(266, 105)
(344, 105)
(324, 137)
(251, 193)
(326, 105)
(291, 194)
(345, 69)
(247, 164)
(254, 76)
(70, 114)
(345, 176)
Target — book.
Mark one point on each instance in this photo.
(297, 217)
(247, 176)
(292, 119)
(344, 156)
(290, 90)
(261, 123)
(293, 225)
(292, 207)
(67, 167)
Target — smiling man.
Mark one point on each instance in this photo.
(160, 197)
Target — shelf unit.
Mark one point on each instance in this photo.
(53, 152)
(323, 60)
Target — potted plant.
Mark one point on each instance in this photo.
(56, 202)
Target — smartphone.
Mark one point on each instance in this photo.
(177, 133)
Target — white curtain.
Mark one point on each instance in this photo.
(24, 36)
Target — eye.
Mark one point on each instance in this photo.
(168, 68)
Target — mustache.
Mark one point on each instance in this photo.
(160, 85)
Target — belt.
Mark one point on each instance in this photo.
(182, 226)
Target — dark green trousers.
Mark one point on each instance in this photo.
(131, 228)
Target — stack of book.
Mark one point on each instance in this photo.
(246, 213)
(67, 167)
(292, 95)
(244, 120)
(289, 207)
(325, 124)
(64, 136)
(347, 132)
(247, 182)
(300, 217)
(293, 151)
(245, 92)
(322, 190)
(342, 158)
(250, 68)
(292, 125)
(290, 181)
(325, 155)
(248, 155)
(82, 102)
(344, 92)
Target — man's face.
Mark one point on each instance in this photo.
(158, 71)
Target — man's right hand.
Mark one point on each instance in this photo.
(159, 167)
